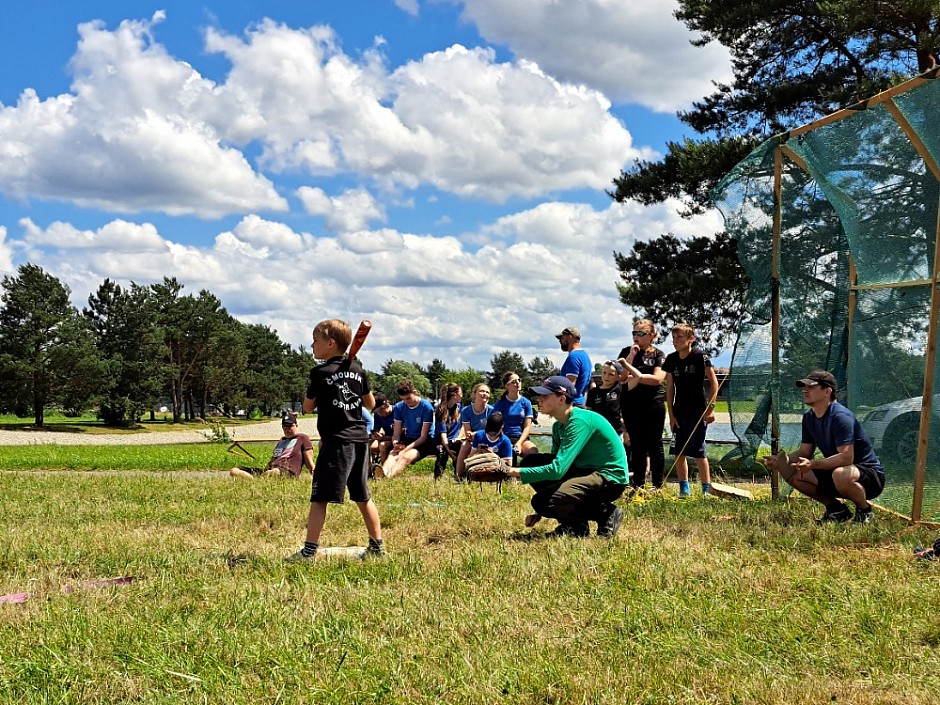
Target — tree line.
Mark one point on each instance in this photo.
(134, 347)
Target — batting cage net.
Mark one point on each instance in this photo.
(837, 227)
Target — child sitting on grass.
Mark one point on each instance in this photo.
(492, 439)
(338, 389)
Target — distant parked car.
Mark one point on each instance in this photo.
(893, 428)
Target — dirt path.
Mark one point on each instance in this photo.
(262, 431)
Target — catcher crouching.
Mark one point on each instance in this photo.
(491, 456)
(587, 470)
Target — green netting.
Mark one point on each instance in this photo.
(858, 194)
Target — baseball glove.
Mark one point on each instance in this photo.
(485, 467)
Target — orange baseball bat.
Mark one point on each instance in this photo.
(359, 338)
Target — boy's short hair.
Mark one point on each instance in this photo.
(494, 423)
(406, 387)
(683, 329)
(337, 330)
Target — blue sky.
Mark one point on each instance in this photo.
(438, 167)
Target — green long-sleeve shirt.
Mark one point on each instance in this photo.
(586, 441)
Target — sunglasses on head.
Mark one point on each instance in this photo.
(640, 333)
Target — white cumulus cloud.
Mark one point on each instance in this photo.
(535, 272)
(354, 209)
(635, 52)
(126, 138)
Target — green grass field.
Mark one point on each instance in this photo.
(698, 601)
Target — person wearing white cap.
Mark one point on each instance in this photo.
(587, 470)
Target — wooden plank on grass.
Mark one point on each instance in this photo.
(719, 489)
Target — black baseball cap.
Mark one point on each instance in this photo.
(820, 377)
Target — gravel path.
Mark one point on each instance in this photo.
(261, 431)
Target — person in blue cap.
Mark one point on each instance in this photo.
(584, 474)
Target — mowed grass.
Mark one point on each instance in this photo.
(698, 601)
(114, 458)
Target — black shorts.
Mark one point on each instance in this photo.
(429, 447)
(341, 464)
(688, 438)
(870, 479)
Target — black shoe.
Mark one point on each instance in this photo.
(864, 516)
(577, 530)
(440, 463)
(609, 523)
(375, 549)
(835, 515)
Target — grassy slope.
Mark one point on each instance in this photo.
(695, 601)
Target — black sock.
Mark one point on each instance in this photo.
(310, 548)
(836, 506)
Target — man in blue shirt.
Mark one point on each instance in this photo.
(849, 468)
(577, 366)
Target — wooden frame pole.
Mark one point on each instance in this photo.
(926, 408)
(775, 321)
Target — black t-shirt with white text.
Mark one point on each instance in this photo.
(338, 386)
(688, 378)
(645, 362)
(606, 402)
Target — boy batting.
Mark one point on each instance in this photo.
(338, 389)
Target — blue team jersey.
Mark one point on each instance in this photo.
(451, 428)
(502, 446)
(413, 419)
(477, 421)
(514, 414)
(384, 423)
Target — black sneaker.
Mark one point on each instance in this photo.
(579, 530)
(373, 551)
(864, 516)
(440, 463)
(609, 524)
(840, 515)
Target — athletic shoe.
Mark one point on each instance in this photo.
(373, 552)
(610, 523)
(840, 515)
(578, 531)
(864, 516)
(299, 557)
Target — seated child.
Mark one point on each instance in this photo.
(492, 439)
(381, 436)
